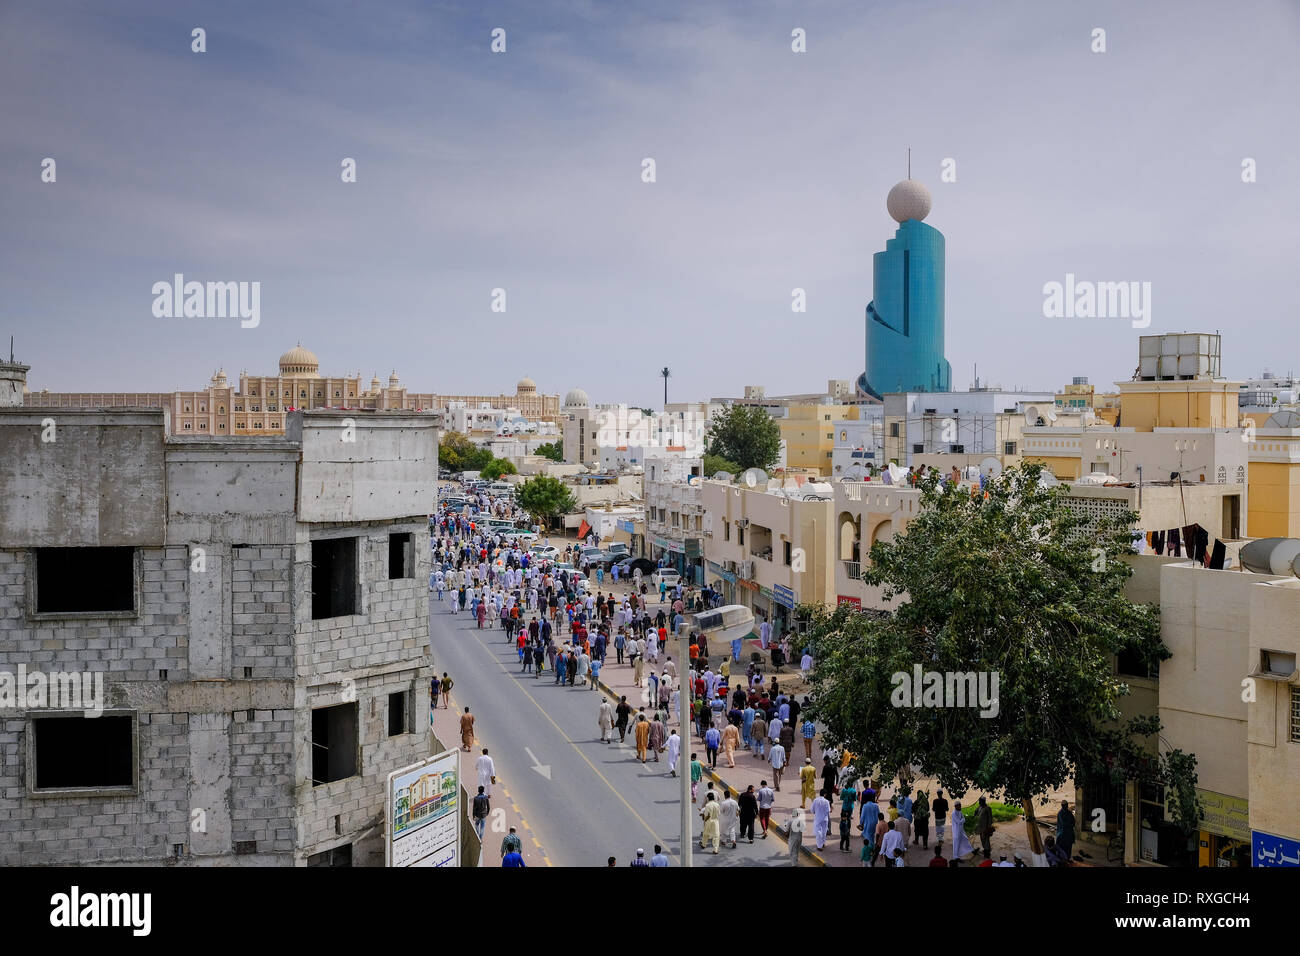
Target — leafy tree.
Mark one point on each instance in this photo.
(1014, 583)
(457, 453)
(545, 498)
(496, 468)
(712, 464)
(746, 435)
(552, 450)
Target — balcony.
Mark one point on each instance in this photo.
(853, 569)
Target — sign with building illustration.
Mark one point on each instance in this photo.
(423, 813)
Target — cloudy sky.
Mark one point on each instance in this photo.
(523, 171)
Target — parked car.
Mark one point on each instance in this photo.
(667, 576)
(628, 566)
(546, 552)
(618, 550)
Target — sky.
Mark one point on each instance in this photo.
(523, 171)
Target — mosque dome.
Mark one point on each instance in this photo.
(375, 384)
(299, 361)
(392, 379)
(909, 199)
(525, 386)
(576, 398)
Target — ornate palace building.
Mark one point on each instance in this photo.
(259, 404)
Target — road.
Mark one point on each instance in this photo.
(598, 801)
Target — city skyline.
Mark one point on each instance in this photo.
(772, 169)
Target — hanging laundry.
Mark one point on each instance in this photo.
(1158, 542)
(1175, 543)
(1216, 558)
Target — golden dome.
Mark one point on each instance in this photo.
(525, 386)
(299, 361)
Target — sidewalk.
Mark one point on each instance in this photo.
(505, 813)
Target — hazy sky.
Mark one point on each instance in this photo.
(522, 171)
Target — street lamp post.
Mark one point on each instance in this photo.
(684, 698)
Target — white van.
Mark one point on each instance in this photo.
(499, 488)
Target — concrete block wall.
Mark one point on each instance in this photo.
(363, 657)
(98, 830)
(352, 810)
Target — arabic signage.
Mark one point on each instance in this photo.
(845, 599)
(1224, 815)
(423, 812)
(1269, 850)
(747, 584)
(627, 526)
(783, 596)
(693, 548)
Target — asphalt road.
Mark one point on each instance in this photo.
(599, 800)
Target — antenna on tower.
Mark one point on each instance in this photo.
(909, 162)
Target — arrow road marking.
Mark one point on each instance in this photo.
(543, 768)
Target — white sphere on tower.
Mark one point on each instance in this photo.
(909, 199)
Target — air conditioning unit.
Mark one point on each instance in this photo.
(746, 569)
(742, 522)
(730, 566)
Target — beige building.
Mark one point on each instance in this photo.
(769, 550)
(1231, 695)
(259, 404)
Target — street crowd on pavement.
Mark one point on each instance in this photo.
(616, 643)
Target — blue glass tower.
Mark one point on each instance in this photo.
(905, 317)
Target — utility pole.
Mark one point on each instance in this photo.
(684, 698)
(664, 372)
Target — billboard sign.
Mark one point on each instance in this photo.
(423, 813)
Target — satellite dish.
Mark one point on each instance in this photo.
(1035, 416)
(896, 473)
(722, 476)
(753, 477)
(991, 466)
(1287, 418)
(1271, 555)
(1047, 480)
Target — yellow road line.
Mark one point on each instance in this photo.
(594, 768)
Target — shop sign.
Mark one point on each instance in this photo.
(1224, 815)
(1269, 850)
(783, 596)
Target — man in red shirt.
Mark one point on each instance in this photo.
(938, 859)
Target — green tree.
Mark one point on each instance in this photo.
(496, 468)
(552, 450)
(1020, 585)
(746, 435)
(545, 498)
(712, 464)
(457, 453)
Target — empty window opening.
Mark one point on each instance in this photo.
(85, 580)
(333, 577)
(398, 713)
(334, 743)
(339, 856)
(76, 752)
(399, 556)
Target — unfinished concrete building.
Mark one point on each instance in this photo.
(258, 611)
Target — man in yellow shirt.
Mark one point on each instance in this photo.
(807, 782)
(712, 832)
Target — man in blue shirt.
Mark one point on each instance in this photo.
(712, 739)
(659, 859)
(869, 815)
